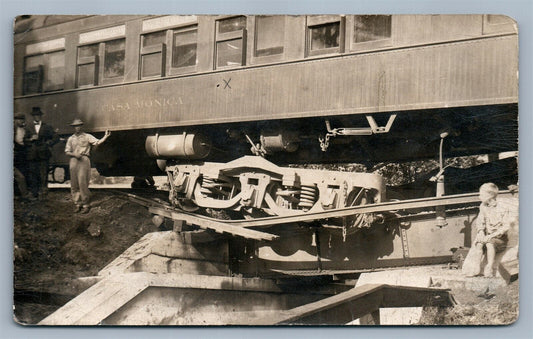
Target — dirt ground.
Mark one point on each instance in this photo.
(497, 307)
(53, 246)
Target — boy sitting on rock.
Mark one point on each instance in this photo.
(493, 223)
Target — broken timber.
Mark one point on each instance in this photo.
(358, 302)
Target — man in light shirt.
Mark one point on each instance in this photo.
(78, 148)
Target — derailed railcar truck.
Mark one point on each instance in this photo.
(233, 109)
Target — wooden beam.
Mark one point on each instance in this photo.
(358, 302)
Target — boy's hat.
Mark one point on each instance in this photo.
(20, 116)
(76, 122)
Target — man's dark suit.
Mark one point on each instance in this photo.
(39, 155)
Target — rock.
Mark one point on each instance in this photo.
(94, 230)
(20, 254)
(468, 310)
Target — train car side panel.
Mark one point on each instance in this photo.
(417, 78)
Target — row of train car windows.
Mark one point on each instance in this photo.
(104, 62)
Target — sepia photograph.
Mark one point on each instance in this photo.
(265, 170)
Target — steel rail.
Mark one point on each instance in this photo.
(238, 227)
(337, 213)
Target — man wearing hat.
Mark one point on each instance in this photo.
(78, 148)
(40, 137)
(20, 163)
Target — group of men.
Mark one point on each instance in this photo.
(32, 151)
(33, 144)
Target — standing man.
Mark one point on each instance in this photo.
(39, 138)
(20, 163)
(78, 148)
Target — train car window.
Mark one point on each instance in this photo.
(87, 74)
(153, 54)
(181, 55)
(184, 46)
(232, 24)
(44, 72)
(115, 52)
(33, 74)
(229, 53)
(88, 51)
(371, 28)
(44, 66)
(152, 65)
(230, 43)
(155, 38)
(54, 75)
(91, 71)
(325, 34)
(269, 35)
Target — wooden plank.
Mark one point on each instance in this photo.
(173, 245)
(293, 315)
(137, 251)
(163, 265)
(415, 297)
(104, 298)
(341, 314)
(96, 303)
(357, 302)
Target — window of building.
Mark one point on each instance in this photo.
(269, 35)
(92, 71)
(44, 72)
(230, 44)
(325, 34)
(371, 28)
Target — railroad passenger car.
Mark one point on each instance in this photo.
(298, 89)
